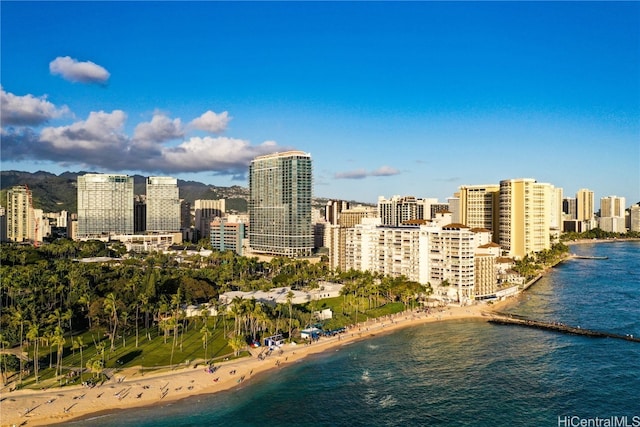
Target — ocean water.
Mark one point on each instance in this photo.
(457, 373)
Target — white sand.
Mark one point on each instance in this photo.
(128, 388)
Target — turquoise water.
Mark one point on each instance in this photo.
(458, 373)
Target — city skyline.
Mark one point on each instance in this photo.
(409, 99)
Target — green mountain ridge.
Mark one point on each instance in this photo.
(55, 193)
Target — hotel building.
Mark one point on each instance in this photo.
(20, 215)
(612, 214)
(478, 206)
(105, 205)
(163, 204)
(280, 187)
(525, 212)
(397, 210)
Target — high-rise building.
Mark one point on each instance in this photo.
(3, 224)
(333, 209)
(585, 205)
(163, 204)
(524, 222)
(20, 215)
(226, 236)
(280, 188)
(569, 208)
(139, 213)
(105, 205)
(398, 210)
(634, 217)
(206, 211)
(612, 214)
(479, 207)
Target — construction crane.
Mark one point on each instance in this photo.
(33, 215)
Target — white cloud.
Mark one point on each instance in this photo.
(101, 131)
(356, 174)
(212, 122)
(385, 171)
(362, 173)
(215, 154)
(161, 128)
(99, 142)
(27, 110)
(75, 71)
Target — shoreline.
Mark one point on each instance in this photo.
(613, 240)
(129, 389)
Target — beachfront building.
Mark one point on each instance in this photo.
(612, 214)
(485, 285)
(478, 206)
(105, 205)
(280, 187)
(436, 252)
(20, 218)
(335, 237)
(555, 213)
(525, 212)
(162, 204)
(634, 217)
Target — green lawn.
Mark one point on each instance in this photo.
(156, 354)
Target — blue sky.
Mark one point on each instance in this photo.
(411, 98)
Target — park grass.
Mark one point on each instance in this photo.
(155, 354)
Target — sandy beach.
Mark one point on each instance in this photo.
(129, 388)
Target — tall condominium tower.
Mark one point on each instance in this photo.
(612, 214)
(280, 187)
(105, 205)
(20, 217)
(525, 207)
(397, 210)
(479, 207)
(585, 205)
(163, 204)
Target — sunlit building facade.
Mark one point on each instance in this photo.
(105, 205)
(280, 187)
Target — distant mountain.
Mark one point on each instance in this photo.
(55, 193)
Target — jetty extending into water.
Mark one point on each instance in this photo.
(589, 257)
(509, 319)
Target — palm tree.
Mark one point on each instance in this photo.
(59, 340)
(33, 335)
(236, 342)
(17, 319)
(111, 308)
(3, 371)
(206, 334)
(290, 295)
(79, 344)
(175, 303)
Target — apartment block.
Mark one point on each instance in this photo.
(21, 221)
(479, 205)
(105, 205)
(612, 214)
(163, 204)
(524, 222)
(280, 187)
